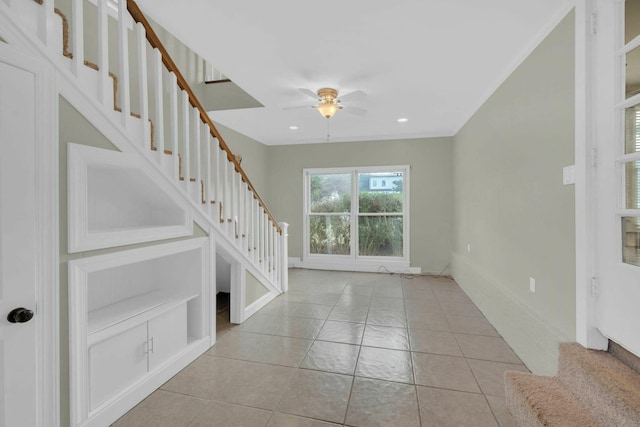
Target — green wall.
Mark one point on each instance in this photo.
(254, 290)
(511, 207)
(254, 158)
(431, 198)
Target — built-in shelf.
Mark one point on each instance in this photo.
(136, 318)
(130, 312)
(115, 199)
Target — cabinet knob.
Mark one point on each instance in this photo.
(20, 315)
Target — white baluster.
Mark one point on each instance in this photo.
(270, 250)
(246, 218)
(173, 113)
(260, 246)
(186, 161)
(267, 235)
(77, 35)
(215, 172)
(276, 258)
(259, 221)
(201, 145)
(284, 256)
(143, 88)
(254, 230)
(239, 206)
(123, 62)
(263, 233)
(208, 163)
(103, 56)
(158, 91)
(225, 188)
(232, 196)
(45, 13)
(194, 143)
(267, 239)
(272, 247)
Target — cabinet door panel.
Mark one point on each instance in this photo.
(168, 334)
(117, 362)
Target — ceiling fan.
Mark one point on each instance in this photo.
(330, 103)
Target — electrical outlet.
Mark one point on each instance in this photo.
(532, 284)
(568, 175)
(468, 247)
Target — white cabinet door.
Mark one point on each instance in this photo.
(18, 254)
(167, 336)
(115, 363)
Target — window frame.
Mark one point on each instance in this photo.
(354, 260)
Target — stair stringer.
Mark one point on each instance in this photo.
(109, 123)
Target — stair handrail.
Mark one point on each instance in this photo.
(171, 66)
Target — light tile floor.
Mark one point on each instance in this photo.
(353, 349)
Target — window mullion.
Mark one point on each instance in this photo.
(354, 214)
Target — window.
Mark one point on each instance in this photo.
(357, 214)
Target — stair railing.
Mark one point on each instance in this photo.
(181, 131)
(238, 198)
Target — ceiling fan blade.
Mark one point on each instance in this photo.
(353, 96)
(355, 110)
(298, 107)
(309, 93)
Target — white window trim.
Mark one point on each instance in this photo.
(354, 262)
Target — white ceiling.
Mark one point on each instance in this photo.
(431, 61)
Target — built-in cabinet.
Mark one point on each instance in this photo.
(124, 357)
(136, 318)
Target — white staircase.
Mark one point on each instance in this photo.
(154, 114)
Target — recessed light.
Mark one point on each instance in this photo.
(293, 127)
(403, 120)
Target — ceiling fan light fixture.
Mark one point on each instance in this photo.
(328, 109)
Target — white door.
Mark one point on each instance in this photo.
(617, 112)
(22, 336)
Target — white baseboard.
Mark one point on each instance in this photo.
(533, 338)
(399, 267)
(295, 262)
(252, 308)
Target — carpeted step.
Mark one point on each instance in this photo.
(605, 384)
(535, 400)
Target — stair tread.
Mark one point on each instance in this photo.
(616, 382)
(545, 401)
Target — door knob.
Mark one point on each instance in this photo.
(20, 315)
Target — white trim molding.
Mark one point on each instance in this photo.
(585, 183)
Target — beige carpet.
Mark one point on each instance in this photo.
(592, 388)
